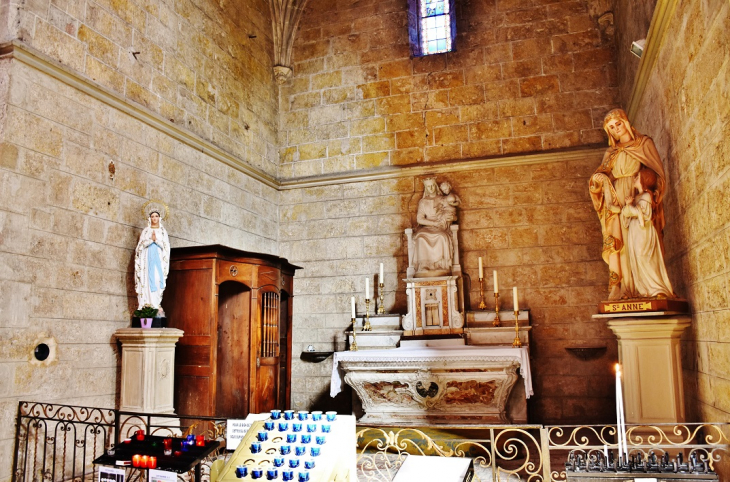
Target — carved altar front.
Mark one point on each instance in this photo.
(416, 386)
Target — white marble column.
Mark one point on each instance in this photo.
(148, 369)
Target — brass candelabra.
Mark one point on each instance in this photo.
(517, 343)
(496, 321)
(381, 310)
(482, 304)
(353, 346)
(366, 326)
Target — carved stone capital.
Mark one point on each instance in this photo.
(282, 74)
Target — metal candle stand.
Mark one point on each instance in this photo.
(366, 326)
(353, 346)
(482, 304)
(517, 343)
(381, 310)
(636, 463)
(496, 321)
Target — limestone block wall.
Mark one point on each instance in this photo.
(686, 108)
(534, 223)
(68, 232)
(526, 77)
(202, 65)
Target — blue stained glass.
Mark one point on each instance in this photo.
(435, 26)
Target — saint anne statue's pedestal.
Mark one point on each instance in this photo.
(651, 357)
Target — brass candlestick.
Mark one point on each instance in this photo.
(482, 304)
(517, 343)
(353, 346)
(366, 326)
(381, 310)
(496, 321)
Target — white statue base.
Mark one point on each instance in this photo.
(650, 352)
(433, 307)
(417, 386)
(148, 369)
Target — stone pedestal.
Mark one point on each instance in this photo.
(650, 353)
(148, 369)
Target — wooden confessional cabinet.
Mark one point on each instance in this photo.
(235, 308)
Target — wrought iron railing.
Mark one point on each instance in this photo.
(539, 453)
(59, 442)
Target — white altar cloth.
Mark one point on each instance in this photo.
(426, 353)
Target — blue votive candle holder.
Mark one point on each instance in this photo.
(278, 461)
(309, 464)
(300, 450)
(311, 427)
(317, 415)
(283, 426)
(287, 475)
(293, 463)
(331, 416)
(303, 476)
(275, 414)
(326, 428)
(288, 414)
(320, 439)
(269, 425)
(241, 471)
(257, 473)
(284, 449)
(291, 438)
(303, 415)
(255, 447)
(272, 474)
(314, 451)
(296, 427)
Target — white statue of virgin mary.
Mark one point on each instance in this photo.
(152, 257)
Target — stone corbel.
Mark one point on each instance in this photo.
(285, 16)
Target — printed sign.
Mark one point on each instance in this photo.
(162, 476)
(236, 428)
(109, 474)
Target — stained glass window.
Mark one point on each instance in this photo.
(432, 26)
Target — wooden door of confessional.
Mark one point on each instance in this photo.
(235, 309)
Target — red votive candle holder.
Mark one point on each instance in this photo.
(136, 460)
(200, 440)
(178, 453)
(144, 463)
(167, 444)
(152, 463)
(139, 434)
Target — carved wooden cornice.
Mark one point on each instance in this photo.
(285, 16)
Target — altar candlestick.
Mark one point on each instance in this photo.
(514, 297)
(381, 272)
(481, 268)
(367, 288)
(496, 287)
(353, 306)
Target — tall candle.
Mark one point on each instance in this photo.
(353, 306)
(381, 272)
(481, 268)
(620, 427)
(367, 288)
(514, 296)
(496, 288)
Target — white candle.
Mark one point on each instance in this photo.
(367, 288)
(605, 452)
(353, 306)
(496, 288)
(481, 268)
(381, 272)
(620, 429)
(514, 297)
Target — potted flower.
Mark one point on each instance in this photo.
(145, 315)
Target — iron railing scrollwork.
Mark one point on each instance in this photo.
(59, 442)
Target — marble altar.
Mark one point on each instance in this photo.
(434, 385)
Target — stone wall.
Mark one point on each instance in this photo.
(533, 223)
(205, 66)
(686, 108)
(526, 77)
(68, 232)
(632, 23)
